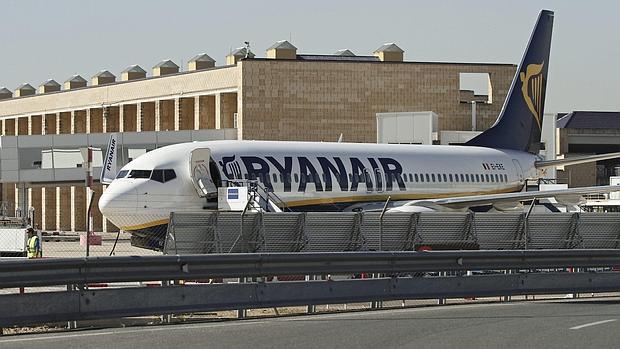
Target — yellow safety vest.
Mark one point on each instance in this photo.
(34, 248)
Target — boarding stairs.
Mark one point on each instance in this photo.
(261, 198)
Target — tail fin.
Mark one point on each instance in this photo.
(519, 123)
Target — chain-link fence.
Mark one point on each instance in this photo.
(223, 232)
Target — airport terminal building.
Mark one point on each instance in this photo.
(285, 95)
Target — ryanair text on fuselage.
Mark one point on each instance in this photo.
(372, 172)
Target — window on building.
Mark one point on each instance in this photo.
(475, 87)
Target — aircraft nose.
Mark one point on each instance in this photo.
(118, 202)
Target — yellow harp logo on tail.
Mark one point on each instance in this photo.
(532, 89)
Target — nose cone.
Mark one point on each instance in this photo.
(118, 203)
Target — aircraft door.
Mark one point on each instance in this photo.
(200, 173)
(518, 169)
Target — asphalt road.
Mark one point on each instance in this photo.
(543, 324)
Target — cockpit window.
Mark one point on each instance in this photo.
(163, 176)
(140, 174)
(169, 175)
(122, 174)
(158, 176)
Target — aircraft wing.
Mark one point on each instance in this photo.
(576, 160)
(506, 199)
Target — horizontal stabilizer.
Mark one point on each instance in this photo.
(576, 160)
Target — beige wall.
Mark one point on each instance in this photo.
(195, 82)
(316, 101)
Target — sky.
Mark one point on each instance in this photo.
(56, 39)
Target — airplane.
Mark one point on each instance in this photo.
(489, 170)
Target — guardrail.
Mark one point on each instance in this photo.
(83, 303)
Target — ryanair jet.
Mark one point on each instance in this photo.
(489, 170)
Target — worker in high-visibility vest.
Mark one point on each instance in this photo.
(34, 244)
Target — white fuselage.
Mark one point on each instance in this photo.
(308, 174)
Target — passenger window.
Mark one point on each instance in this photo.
(445, 177)
(275, 178)
(296, 178)
(477, 178)
(438, 178)
(122, 174)
(463, 178)
(450, 177)
(492, 179)
(486, 177)
(416, 177)
(481, 178)
(433, 176)
(405, 177)
(467, 177)
(428, 178)
(350, 177)
(158, 176)
(140, 174)
(505, 178)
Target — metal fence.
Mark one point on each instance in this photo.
(400, 281)
(224, 232)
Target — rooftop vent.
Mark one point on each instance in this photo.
(102, 78)
(75, 81)
(24, 90)
(49, 86)
(5, 93)
(389, 52)
(237, 55)
(165, 67)
(133, 72)
(282, 50)
(345, 53)
(201, 61)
